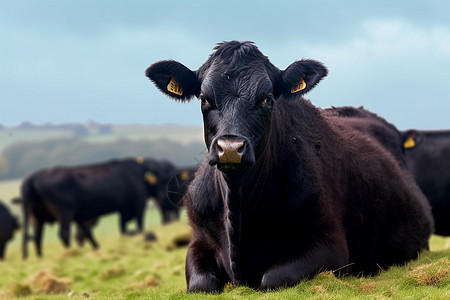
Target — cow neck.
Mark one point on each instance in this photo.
(232, 199)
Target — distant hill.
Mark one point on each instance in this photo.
(97, 132)
(29, 147)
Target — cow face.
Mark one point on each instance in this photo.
(238, 88)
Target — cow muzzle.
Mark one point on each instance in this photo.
(231, 153)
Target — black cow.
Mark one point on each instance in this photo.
(426, 154)
(8, 224)
(286, 191)
(176, 189)
(373, 125)
(168, 204)
(84, 193)
(428, 157)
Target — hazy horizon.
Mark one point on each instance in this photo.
(66, 62)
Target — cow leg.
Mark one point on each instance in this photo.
(319, 258)
(2, 249)
(140, 222)
(87, 233)
(79, 236)
(64, 231)
(203, 274)
(38, 231)
(123, 224)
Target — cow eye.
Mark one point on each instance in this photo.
(267, 102)
(203, 99)
(205, 102)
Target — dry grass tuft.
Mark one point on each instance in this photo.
(432, 274)
(112, 273)
(367, 287)
(37, 278)
(178, 270)
(326, 274)
(319, 289)
(20, 290)
(74, 252)
(159, 265)
(52, 285)
(48, 283)
(149, 282)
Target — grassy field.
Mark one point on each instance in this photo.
(131, 268)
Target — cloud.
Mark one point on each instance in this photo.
(393, 67)
(86, 60)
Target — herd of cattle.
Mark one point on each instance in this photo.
(82, 194)
(286, 189)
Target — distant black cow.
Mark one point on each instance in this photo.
(168, 203)
(428, 157)
(84, 193)
(176, 189)
(425, 153)
(286, 191)
(8, 224)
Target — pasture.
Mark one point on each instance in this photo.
(130, 268)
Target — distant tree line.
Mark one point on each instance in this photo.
(77, 129)
(20, 159)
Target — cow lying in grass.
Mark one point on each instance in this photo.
(286, 191)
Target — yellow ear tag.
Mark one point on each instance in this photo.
(300, 86)
(139, 160)
(151, 178)
(174, 87)
(409, 143)
(184, 175)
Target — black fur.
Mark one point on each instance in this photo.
(429, 161)
(8, 224)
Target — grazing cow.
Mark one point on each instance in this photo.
(8, 224)
(168, 203)
(427, 155)
(84, 193)
(286, 191)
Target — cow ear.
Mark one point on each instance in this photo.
(301, 76)
(174, 79)
(411, 139)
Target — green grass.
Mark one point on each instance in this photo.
(130, 268)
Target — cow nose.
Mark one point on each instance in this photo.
(230, 150)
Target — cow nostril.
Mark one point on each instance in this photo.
(241, 149)
(219, 149)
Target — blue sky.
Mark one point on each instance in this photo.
(74, 61)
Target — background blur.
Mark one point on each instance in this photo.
(74, 61)
(73, 91)
(73, 72)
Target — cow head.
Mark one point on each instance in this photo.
(238, 88)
